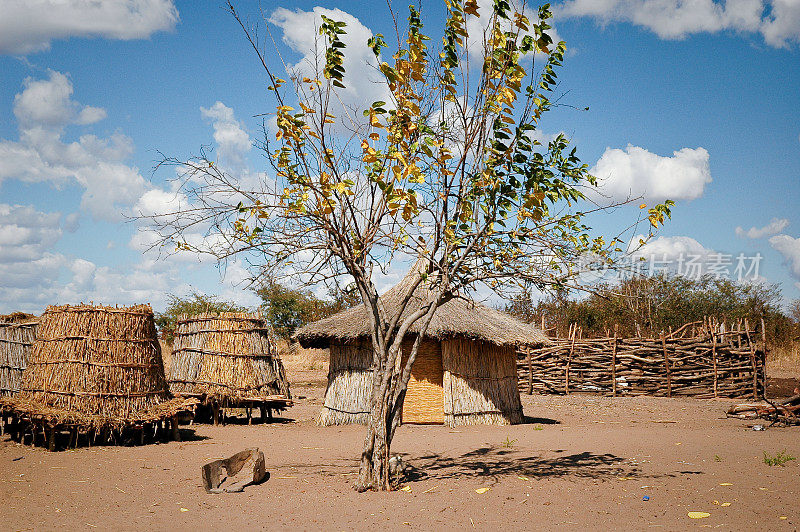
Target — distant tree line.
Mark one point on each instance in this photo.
(285, 308)
(288, 309)
(650, 305)
(636, 306)
(192, 305)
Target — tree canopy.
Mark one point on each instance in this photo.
(450, 169)
(192, 305)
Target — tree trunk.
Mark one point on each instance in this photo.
(374, 468)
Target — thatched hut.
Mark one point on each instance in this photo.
(465, 371)
(17, 332)
(95, 369)
(228, 360)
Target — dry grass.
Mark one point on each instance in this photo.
(784, 362)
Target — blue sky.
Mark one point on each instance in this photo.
(696, 101)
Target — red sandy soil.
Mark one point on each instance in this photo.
(580, 462)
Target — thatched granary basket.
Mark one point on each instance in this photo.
(227, 359)
(17, 331)
(95, 367)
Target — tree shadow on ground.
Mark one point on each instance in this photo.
(528, 420)
(494, 462)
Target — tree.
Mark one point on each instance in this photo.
(448, 171)
(195, 304)
(655, 304)
(289, 308)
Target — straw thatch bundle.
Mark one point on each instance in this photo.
(227, 358)
(464, 373)
(95, 367)
(349, 384)
(17, 332)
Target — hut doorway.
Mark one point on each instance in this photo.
(424, 401)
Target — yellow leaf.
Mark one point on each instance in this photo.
(698, 515)
(643, 206)
(724, 504)
(522, 478)
(184, 509)
(405, 488)
(482, 490)
(726, 484)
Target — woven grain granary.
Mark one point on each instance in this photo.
(228, 360)
(17, 331)
(95, 369)
(465, 371)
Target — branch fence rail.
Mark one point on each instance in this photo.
(703, 359)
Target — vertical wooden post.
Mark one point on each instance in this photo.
(215, 411)
(569, 359)
(176, 433)
(530, 370)
(51, 439)
(614, 365)
(764, 357)
(666, 365)
(714, 357)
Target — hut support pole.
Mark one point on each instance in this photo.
(51, 439)
(263, 410)
(176, 433)
(215, 411)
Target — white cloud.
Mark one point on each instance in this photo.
(778, 21)
(232, 140)
(668, 247)
(43, 110)
(635, 172)
(775, 226)
(30, 25)
(782, 24)
(25, 233)
(790, 249)
(364, 83)
(477, 28)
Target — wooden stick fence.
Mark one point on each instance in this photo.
(701, 359)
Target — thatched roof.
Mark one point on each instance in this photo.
(459, 317)
(226, 357)
(18, 317)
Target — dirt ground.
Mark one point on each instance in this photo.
(579, 462)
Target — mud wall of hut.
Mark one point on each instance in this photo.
(480, 384)
(696, 361)
(349, 384)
